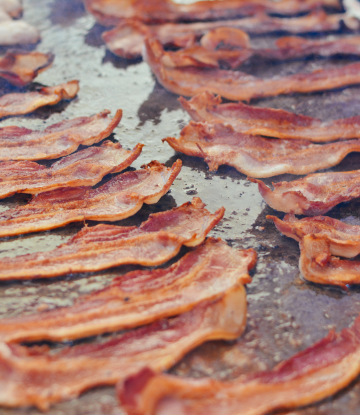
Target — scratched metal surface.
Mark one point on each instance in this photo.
(285, 314)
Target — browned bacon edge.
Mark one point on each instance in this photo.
(309, 376)
(111, 12)
(257, 156)
(23, 103)
(57, 140)
(312, 195)
(236, 85)
(268, 121)
(121, 197)
(140, 297)
(34, 376)
(103, 246)
(20, 68)
(127, 39)
(86, 167)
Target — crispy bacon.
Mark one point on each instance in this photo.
(20, 68)
(309, 376)
(103, 246)
(118, 199)
(57, 140)
(236, 85)
(313, 195)
(17, 32)
(23, 103)
(127, 39)
(35, 376)
(254, 155)
(84, 168)
(111, 12)
(267, 121)
(318, 265)
(140, 297)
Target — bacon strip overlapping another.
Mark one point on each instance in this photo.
(121, 197)
(35, 376)
(84, 168)
(268, 121)
(103, 246)
(257, 156)
(127, 39)
(20, 68)
(111, 12)
(140, 297)
(313, 195)
(23, 103)
(309, 376)
(236, 85)
(57, 140)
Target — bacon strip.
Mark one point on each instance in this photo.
(313, 195)
(119, 198)
(267, 121)
(23, 103)
(127, 39)
(103, 246)
(57, 140)
(17, 32)
(111, 12)
(38, 377)
(20, 68)
(257, 156)
(236, 85)
(84, 168)
(140, 297)
(309, 376)
(12, 7)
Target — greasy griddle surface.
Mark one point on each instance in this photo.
(285, 314)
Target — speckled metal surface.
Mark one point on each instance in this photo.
(285, 314)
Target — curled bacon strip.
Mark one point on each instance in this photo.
(57, 140)
(313, 195)
(38, 377)
(20, 68)
(84, 168)
(236, 85)
(267, 121)
(140, 297)
(309, 376)
(119, 198)
(257, 156)
(17, 32)
(18, 103)
(127, 39)
(111, 12)
(103, 246)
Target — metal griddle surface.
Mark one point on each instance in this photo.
(285, 314)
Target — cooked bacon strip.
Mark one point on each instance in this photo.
(23, 103)
(313, 195)
(103, 246)
(119, 198)
(257, 156)
(309, 376)
(236, 85)
(111, 12)
(84, 168)
(20, 68)
(140, 297)
(267, 121)
(35, 376)
(17, 32)
(57, 140)
(344, 239)
(318, 265)
(127, 39)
